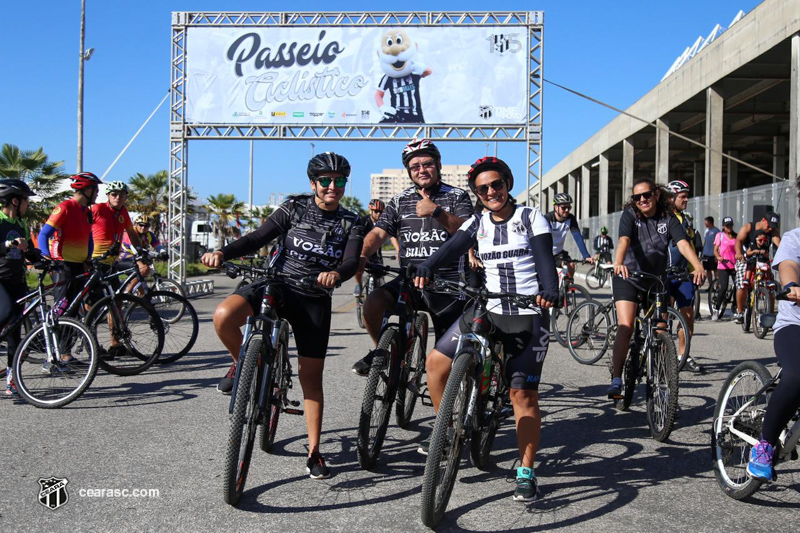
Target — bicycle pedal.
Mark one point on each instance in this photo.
(293, 411)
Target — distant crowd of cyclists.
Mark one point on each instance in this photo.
(436, 229)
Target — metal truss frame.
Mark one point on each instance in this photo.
(530, 132)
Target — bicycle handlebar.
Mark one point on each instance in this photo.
(233, 271)
(447, 286)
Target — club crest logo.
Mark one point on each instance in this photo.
(517, 227)
(662, 228)
(53, 492)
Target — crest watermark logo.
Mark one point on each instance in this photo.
(501, 43)
(53, 492)
(485, 111)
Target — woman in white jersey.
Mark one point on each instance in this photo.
(514, 244)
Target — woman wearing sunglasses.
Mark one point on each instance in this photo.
(515, 245)
(645, 230)
(317, 237)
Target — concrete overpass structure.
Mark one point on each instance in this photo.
(739, 95)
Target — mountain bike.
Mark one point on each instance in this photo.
(159, 282)
(177, 314)
(738, 418)
(599, 274)
(43, 376)
(760, 299)
(251, 261)
(398, 367)
(652, 358)
(569, 296)
(262, 381)
(473, 403)
(368, 283)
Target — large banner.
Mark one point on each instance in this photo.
(357, 75)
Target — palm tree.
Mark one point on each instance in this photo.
(150, 195)
(41, 174)
(353, 204)
(226, 209)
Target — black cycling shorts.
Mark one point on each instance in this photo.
(561, 258)
(525, 340)
(627, 291)
(309, 316)
(443, 308)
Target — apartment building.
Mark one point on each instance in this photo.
(392, 181)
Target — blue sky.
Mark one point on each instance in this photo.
(615, 51)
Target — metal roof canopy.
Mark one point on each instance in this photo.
(181, 132)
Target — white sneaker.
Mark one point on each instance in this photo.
(715, 317)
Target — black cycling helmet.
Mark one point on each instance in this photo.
(13, 188)
(419, 147)
(328, 162)
(562, 198)
(490, 163)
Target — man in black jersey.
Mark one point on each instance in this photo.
(422, 217)
(376, 207)
(603, 246)
(317, 238)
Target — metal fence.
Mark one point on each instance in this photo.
(737, 205)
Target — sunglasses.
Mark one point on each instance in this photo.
(377, 211)
(496, 185)
(338, 181)
(427, 165)
(143, 225)
(565, 207)
(643, 196)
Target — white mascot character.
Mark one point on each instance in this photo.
(401, 79)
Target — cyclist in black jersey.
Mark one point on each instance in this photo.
(376, 208)
(603, 246)
(323, 240)
(422, 217)
(645, 229)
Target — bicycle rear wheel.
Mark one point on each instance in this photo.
(662, 387)
(763, 300)
(730, 452)
(588, 332)
(411, 375)
(50, 385)
(574, 295)
(244, 420)
(379, 395)
(278, 385)
(594, 278)
(677, 327)
(134, 325)
(447, 439)
(180, 322)
(164, 284)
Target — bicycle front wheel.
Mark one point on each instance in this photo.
(48, 384)
(732, 453)
(411, 375)
(278, 385)
(574, 295)
(447, 439)
(594, 278)
(763, 300)
(662, 387)
(379, 395)
(244, 420)
(180, 322)
(588, 332)
(678, 328)
(164, 284)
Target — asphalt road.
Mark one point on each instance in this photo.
(167, 430)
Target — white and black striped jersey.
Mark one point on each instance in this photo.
(420, 237)
(504, 250)
(403, 95)
(560, 230)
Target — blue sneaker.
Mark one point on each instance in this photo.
(760, 465)
(527, 485)
(615, 390)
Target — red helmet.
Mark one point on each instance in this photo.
(377, 205)
(490, 163)
(83, 180)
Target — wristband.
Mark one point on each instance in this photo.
(436, 212)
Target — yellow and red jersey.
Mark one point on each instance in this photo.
(73, 226)
(108, 228)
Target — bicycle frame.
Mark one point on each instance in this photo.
(406, 311)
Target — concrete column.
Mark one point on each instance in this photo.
(586, 189)
(713, 165)
(544, 208)
(603, 196)
(733, 171)
(697, 179)
(553, 191)
(779, 157)
(662, 152)
(794, 110)
(627, 168)
(560, 185)
(572, 188)
(578, 197)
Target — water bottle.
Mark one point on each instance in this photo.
(60, 307)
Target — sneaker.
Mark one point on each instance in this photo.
(315, 467)
(527, 485)
(225, 385)
(715, 317)
(424, 446)
(760, 465)
(11, 389)
(362, 366)
(738, 317)
(692, 365)
(615, 390)
(357, 290)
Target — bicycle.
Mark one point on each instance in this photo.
(760, 298)
(653, 358)
(738, 418)
(42, 376)
(592, 329)
(252, 261)
(473, 403)
(397, 368)
(177, 314)
(159, 282)
(368, 283)
(262, 381)
(599, 274)
(569, 296)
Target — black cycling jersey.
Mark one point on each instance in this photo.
(650, 238)
(377, 257)
(320, 241)
(12, 261)
(603, 244)
(420, 237)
